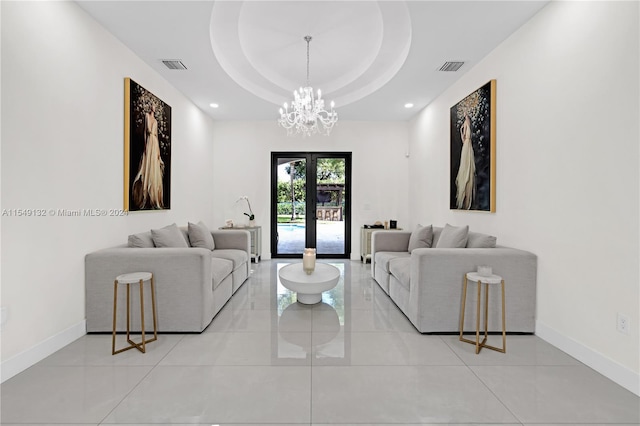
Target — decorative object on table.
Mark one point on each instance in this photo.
(309, 260)
(249, 214)
(307, 115)
(473, 151)
(377, 225)
(147, 150)
(485, 271)
(386, 224)
(486, 280)
(228, 223)
(393, 224)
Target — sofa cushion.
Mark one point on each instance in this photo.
(478, 240)
(400, 267)
(169, 236)
(220, 269)
(237, 257)
(200, 236)
(383, 257)
(436, 236)
(421, 237)
(453, 237)
(141, 240)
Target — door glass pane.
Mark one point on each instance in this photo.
(292, 186)
(330, 196)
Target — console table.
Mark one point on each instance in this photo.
(256, 239)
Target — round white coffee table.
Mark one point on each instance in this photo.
(309, 286)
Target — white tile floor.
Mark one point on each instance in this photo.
(352, 360)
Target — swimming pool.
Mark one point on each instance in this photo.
(290, 227)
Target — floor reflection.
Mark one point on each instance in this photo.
(329, 323)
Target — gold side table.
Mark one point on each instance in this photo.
(486, 280)
(128, 279)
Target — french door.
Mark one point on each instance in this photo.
(311, 204)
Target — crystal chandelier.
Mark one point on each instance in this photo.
(307, 115)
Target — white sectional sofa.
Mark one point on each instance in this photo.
(426, 282)
(193, 281)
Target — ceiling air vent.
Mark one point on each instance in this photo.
(451, 66)
(174, 65)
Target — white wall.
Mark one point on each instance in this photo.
(62, 148)
(567, 172)
(242, 160)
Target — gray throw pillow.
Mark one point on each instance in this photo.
(200, 236)
(421, 237)
(478, 240)
(453, 237)
(141, 240)
(169, 236)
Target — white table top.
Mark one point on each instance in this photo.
(133, 277)
(323, 273)
(490, 279)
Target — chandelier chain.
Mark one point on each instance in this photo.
(308, 40)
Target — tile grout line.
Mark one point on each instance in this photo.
(454, 352)
(494, 394)
(153, 367)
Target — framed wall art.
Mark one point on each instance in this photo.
(147, 150)
(473, 151)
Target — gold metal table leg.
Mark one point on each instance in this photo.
(142, 345)
(115, 305)
(477, 343)
(464, 301)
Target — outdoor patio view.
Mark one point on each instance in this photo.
(328, 206)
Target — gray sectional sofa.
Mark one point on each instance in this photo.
(193, 279)
(426, 282)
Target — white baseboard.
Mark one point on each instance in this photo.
(620, 374)
(26, 359)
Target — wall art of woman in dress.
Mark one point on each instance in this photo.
(466, 178)
(147, 185)
(147, 150)
(472, 172)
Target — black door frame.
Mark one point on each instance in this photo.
(310, 208)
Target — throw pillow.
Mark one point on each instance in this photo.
(200, 236)
(453, 237)
(141, 240)
(478, 240)
(421, 237)
(169, 236)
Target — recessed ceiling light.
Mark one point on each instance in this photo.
(408, 105)
(214, 105)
